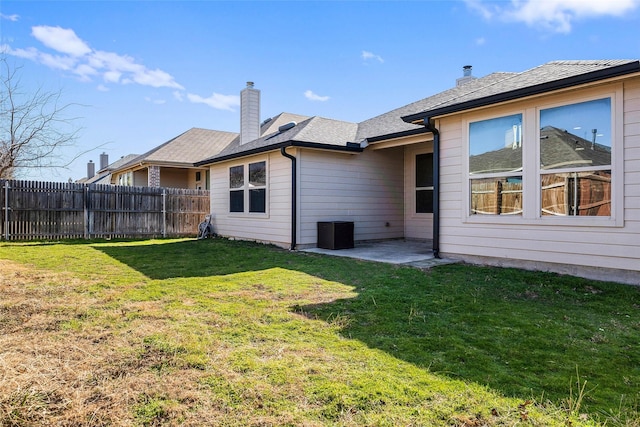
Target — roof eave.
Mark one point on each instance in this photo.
(396, 135)
(291, 143)
(594, 76)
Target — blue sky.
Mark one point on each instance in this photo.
(146, 71)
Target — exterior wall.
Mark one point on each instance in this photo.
(141, 178)
(174, 178)
(366, 188)
(591, 249)
(416, 226)
(274, 226)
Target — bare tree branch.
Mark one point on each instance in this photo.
(34, 127)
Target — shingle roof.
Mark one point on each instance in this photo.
(314, 130)
(558, 149)
(544, 78)
(187, 148)
(392, 123)
(488, 89)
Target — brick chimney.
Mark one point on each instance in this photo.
(249, 114)
(104, 160)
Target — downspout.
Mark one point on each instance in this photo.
(436, 185)
(294, 207)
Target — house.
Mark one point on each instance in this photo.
(171, 164)
(103, 176)
(537, 169)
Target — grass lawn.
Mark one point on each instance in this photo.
(223, 333)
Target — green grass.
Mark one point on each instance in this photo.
(172, 332)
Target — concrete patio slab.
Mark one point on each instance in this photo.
(402, 252)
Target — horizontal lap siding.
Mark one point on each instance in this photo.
(365, 188)
(272, 228)
(589, 246)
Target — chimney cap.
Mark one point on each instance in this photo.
(249, 84)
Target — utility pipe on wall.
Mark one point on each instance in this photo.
(294, 207)
(436, 185)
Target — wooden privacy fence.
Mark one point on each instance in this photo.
(496, 197)
(33, 210)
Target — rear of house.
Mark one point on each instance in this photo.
(538, 169)
(547, 177)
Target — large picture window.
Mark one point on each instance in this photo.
(495, 166)
(251, 192)
(547, 163)
(575, 159)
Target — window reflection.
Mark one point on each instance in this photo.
(495, 145)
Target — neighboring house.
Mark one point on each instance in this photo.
(172, 163)
(484, 172)
(103, 176)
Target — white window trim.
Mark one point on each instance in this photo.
(531, 202)
(246, 188)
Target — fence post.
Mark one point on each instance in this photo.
(164, 213)
(6, 210)
(86, 212)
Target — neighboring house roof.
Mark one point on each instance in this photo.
(185, 149)
(558, 149)
(548, 77)
(313, 132)
(103, 176)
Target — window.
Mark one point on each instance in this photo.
(125, 178)
(549, 163)
(495, 166)
(575, 159)
(236, 189)
(257, 187)
(424, 183)
(255, 196)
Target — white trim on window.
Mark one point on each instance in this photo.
(531, 187)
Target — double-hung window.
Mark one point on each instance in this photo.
(495, 166)
(248, 188)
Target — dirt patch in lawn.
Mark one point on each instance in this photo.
(57, 371)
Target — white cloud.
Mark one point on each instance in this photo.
(155, 78)
(178, 95)
(77, 57)
(13, 17)
(216, 100)
(371, 56)
(155, 101)
(102, 88)
(63, 40)
(481, 41)
(314, 97)
(554, 15)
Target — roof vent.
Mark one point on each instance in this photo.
(286, 126)
(266, 121)
(466, 76)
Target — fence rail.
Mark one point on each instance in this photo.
(34, 210)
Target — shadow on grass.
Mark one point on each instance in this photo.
(525, 334)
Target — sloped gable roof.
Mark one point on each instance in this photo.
(548, 77)
(495, 87)
(558, 149)
(313, 131)
(186, 149)
(391, 122)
